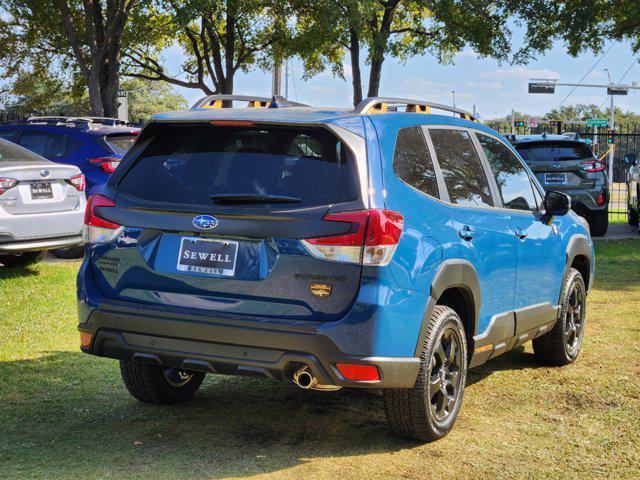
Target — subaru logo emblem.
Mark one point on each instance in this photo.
(205, 222)
(44, 173)
(556, 165)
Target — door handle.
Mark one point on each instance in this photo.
(466, 233)
(521, 234)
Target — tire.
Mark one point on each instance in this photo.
(411, 412)
(69, 252)
(161, 386)
(599, 222)
(561, 345)
(24, 259)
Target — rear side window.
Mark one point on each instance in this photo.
(190, 164)
(120, 143)
(11, 135)
(412, 162)
(461, 168)
(554, 151)
(512, 179)
(49, 145)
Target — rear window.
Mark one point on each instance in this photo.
(553, 151)
(120, 143)
(190, 164)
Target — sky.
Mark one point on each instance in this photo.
(492, 87)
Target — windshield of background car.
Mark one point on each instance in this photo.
(190, 164)
(549, 151)
(10, 152)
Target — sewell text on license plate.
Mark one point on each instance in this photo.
(41, 191)
(206, 256)
(555, 178)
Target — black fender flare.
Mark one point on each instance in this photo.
(579, 244)
(452, 273)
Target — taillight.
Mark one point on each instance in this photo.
(7, 184)
(108, 164)
(78, 182)
(98, 229)
(372, 240)
(593, 166)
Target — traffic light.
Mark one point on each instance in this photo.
(610, 134)
(519, 123)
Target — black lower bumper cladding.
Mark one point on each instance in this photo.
(222, 347)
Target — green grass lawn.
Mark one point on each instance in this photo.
(64, 414)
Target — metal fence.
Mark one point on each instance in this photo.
(625, 140)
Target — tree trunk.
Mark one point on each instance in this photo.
(356, 74)
(95, 96)
(380, 42)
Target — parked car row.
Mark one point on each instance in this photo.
(44, 178)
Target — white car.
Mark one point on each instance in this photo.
(41, 205)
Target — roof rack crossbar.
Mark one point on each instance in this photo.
(381, 105)
(218, 101)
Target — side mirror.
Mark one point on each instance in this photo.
(630, 159)
(556, 203)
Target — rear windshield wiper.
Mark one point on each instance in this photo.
(235, 198)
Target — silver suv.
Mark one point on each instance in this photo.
(563, 163)
(41, 205)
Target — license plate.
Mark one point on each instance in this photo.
(555, 178)
(41, 191)
(210, 257)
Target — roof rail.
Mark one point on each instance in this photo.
(384, 104)
(218, 101)
(55, 120)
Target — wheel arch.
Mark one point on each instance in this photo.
(455, 285)
(578, 256)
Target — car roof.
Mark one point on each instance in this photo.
(343, 117)
(96, 130)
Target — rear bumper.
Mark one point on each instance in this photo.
(40, 244)
(220, 346)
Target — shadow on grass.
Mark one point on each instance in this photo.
(18, 272)
(69, 414)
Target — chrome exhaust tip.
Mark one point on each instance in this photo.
(304, 378)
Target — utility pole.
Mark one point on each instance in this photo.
(276, 83)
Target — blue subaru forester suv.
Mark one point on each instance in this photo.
(383, 247)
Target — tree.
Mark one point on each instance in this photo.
(398, 28)
(580, 24)
(73, 39)
(219, 38)
(147, 98)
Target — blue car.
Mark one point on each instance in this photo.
(383, 247)
(94, 145)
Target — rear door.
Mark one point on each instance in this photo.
(215, 215)
(485, 236)
(560, 164)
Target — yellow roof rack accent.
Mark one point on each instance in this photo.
(385, 104)
(226, 101)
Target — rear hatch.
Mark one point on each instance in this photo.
(561, 164)
(213, 218)
(35, 185)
